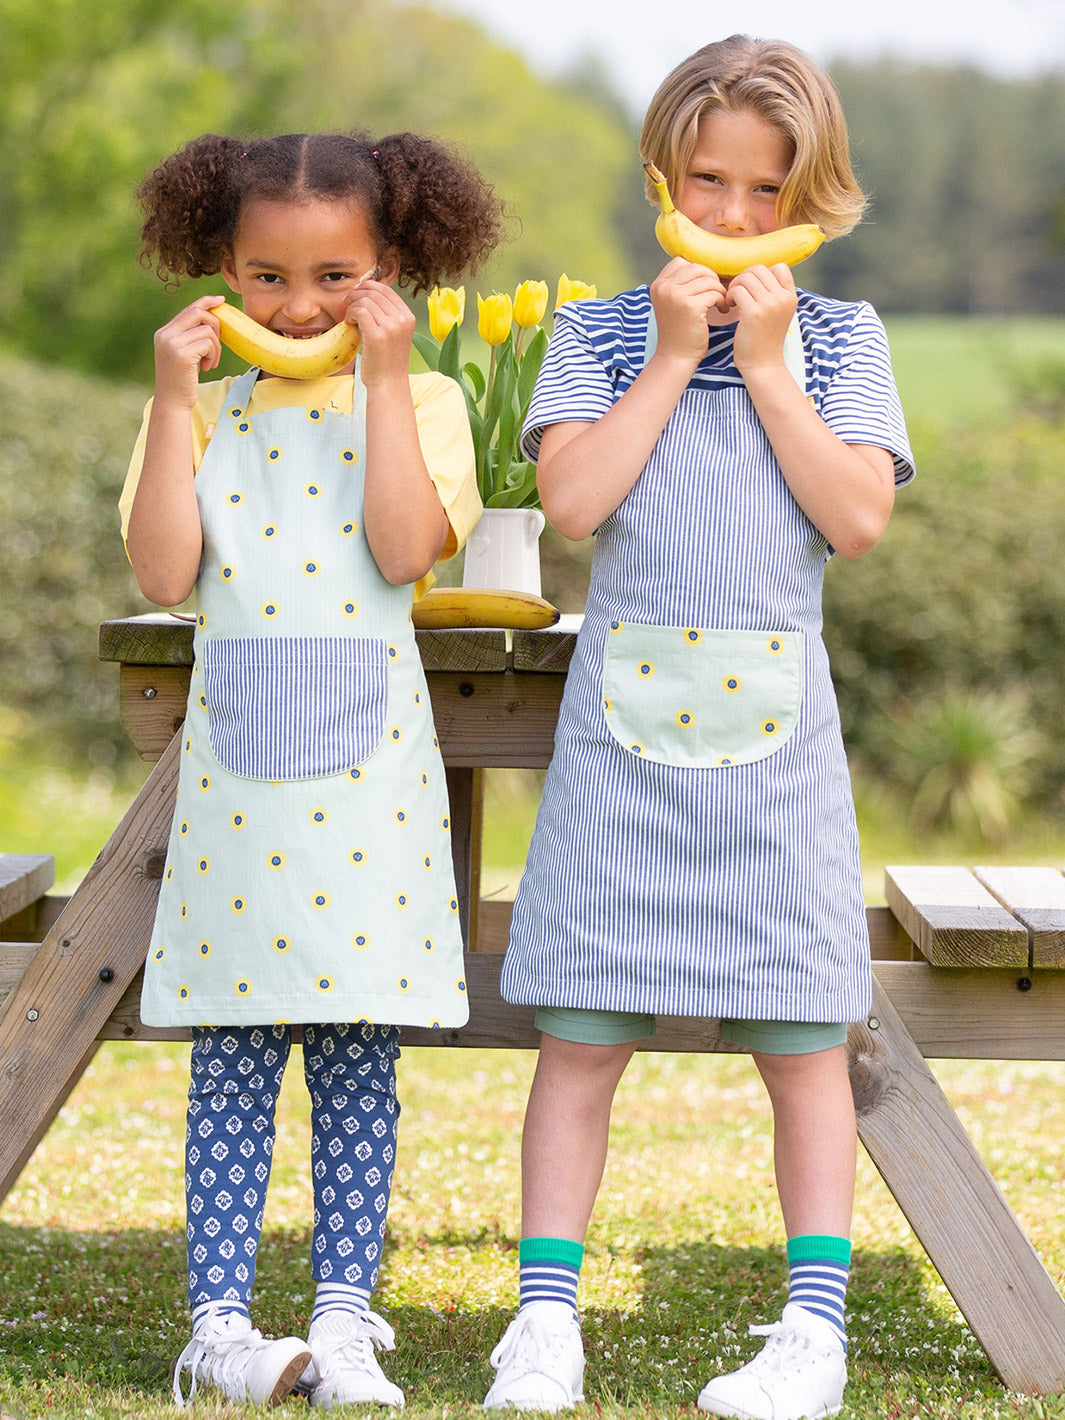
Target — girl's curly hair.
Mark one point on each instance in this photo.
(420, 197)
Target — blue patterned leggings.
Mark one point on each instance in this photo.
(236, 1077)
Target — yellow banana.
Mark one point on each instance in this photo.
(309, 359)
(728, 256)
(446, 607)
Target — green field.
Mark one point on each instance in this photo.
(952, 371)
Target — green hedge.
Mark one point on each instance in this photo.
(65, 442)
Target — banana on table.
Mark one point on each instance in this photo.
(443, 608)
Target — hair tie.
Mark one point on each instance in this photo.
(376, 156)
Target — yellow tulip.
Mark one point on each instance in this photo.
(494, 318)
(530, 302)
(573, 291)
(447, 306)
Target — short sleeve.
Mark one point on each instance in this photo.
(573, 383)
(861, 404)
(204, 417)
(447, 447)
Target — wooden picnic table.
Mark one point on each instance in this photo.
(968, 964)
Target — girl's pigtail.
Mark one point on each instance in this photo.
(438, 212)
(191, 204)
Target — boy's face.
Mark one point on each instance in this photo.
(732, 182)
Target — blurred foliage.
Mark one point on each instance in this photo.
(966, 176)
(95, 93)
(949, 635)
(65, 441)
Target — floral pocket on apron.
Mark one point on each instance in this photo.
(698, 698)
(294, 707)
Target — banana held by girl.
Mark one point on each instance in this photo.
(728, 256)
(310, 359)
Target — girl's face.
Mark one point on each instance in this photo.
(295, 265)
(735, 174)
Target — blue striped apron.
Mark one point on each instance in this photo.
(695, 852)
(309, 874)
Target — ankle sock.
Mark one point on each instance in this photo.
(219, 1308)
(331, 1298)
(549, 1270)
(819, 1266)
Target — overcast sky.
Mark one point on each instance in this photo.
(639, 41)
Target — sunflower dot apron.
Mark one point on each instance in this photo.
(309, 873)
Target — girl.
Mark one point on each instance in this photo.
(695, 851)
(309, 875)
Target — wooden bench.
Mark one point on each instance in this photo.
(964, 967)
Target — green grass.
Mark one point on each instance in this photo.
(952, 370)
(684, 1250)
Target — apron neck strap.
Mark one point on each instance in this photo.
(794, 353)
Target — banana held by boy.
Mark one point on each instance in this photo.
(310, 359)
(444, 607)
(728, 256)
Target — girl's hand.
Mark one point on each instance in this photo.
(683, 295)
(387, 325)
(764, 299)
(183, 347)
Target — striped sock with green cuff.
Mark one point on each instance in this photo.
(819, 1267)
(549, 1270)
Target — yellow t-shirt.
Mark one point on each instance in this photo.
(443, 432)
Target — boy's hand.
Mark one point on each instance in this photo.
(683, 295)
(183, 347)
(764, 299)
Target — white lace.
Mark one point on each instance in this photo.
(527, 1341)
(785, 1350)
(351, 1347)
(219, 1351)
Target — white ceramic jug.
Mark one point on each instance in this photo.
(504, 550)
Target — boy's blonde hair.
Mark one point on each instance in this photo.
(791, 93)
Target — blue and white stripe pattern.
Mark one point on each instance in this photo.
(597, 350)
(294, 707)
(544, 1281)
(652, 887)
(820, 1287)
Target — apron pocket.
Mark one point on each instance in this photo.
(294, 707)
(698, 698)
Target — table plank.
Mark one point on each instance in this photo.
(1036, 897)
(547, 651)
(163, 638)
(953, 919)
(24, 877)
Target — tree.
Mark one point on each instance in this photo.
(98, 91)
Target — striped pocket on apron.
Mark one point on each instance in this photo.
(294, 707)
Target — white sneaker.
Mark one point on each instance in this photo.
(800, 1372)
(227, 1352)
(540, 1360)
(343, 1368)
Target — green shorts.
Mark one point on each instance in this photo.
(619, 1027)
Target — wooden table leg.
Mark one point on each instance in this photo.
(954, 1205)
(465, 788)
(50, 1020)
